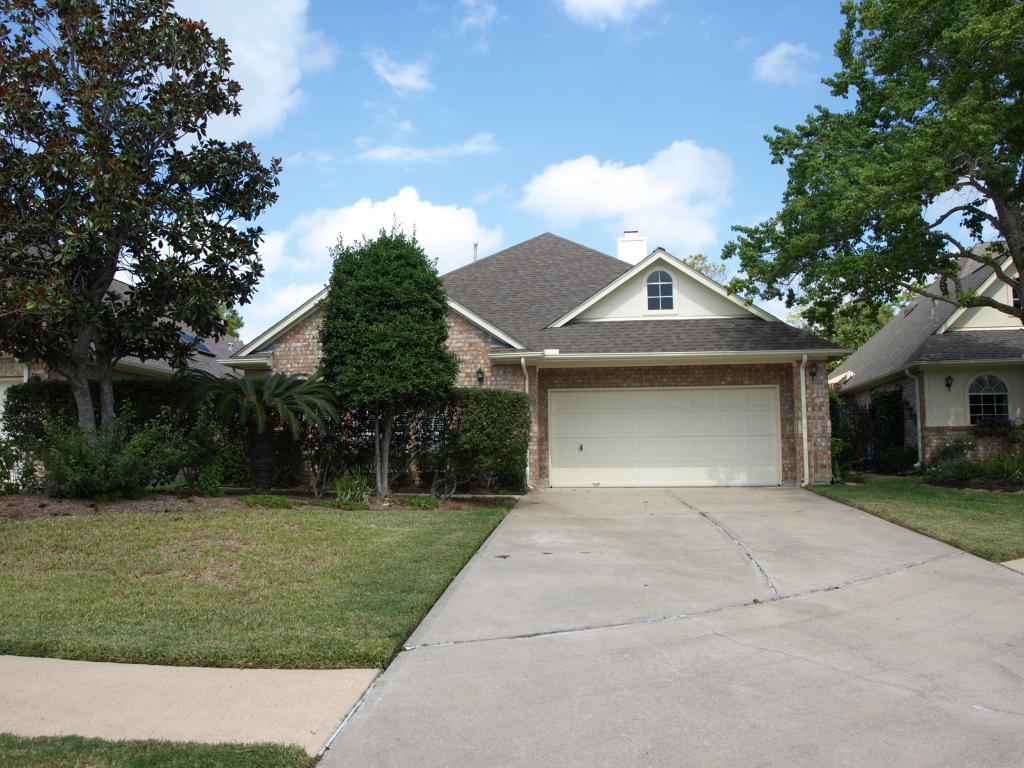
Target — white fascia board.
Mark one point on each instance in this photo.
(246, 363)
(140, 368)
(479, 322)
(664, 358)
(310, 306)
(281, 326)
(668, 258)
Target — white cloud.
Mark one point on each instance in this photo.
(785, 64)
(485, 196)
(601, 13)
(272, 48)
(674, 198)
(414, 76)
(477, 17)
(298, 263)
(481, 144)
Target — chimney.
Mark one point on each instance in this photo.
(632, 247)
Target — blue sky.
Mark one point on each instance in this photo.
(494, 121)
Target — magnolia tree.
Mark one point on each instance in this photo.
(384, 333)
(106, 169)
(924, 167)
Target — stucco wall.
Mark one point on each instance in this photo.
(691, 300)
(949, 407)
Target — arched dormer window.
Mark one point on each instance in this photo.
(659, 291)
(988, 398)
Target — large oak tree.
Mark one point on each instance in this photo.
(106, 169)
(925, 165)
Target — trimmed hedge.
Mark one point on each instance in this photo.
(37, 408)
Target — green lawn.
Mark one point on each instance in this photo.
(988, 523)
(76, 752)
(308, 587)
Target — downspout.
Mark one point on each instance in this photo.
(24, 372)
(803, 422)
(917, 415)
(526, 388)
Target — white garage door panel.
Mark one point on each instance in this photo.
(681, 436)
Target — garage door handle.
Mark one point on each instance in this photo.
(581, 446)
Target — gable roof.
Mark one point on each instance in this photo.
(915, 335)
(661, 255)
(517, 294)
(534, 289)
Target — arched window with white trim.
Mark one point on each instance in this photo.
(660, 291)
(988, 398)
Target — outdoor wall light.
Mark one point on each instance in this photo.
(814, 370)
(949, 382)
(479, 375)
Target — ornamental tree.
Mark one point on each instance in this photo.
(106, 169)
(385, 324)
(925, 165)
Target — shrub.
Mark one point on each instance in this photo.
(896, 459)
(1005, 471)
(952, 450)
(353, 486)
(482, 441)
(112, 466)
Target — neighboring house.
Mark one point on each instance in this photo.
(640, 371)
(955, 366)
(205, 358)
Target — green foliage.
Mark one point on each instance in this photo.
(383, 335)
(385, 325)
(107, 167)
(420, 502)
(112, 465)
(268, 408)
(934, 106)
(952, 450)
(1004, 472)
(353, 487)
(896, 459)
(716, 270)
(483, 441)
(850, 326)
(887, 422)
(842, 455)
(267, 500)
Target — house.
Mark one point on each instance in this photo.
(640, 370)
(956, 367)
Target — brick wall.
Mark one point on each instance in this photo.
(298, 350)
(12, 369)
(784, 376)
(472, 346)
(985, 446)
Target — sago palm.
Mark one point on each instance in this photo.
(263, 404)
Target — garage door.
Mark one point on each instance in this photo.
(674, 436)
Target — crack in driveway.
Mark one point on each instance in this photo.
(682, 616)
(735, 540)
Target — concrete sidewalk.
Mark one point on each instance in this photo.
(55, 697)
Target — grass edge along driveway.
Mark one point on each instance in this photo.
(296, 588)
(989, 524)
(78, 752)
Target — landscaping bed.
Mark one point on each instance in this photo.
(76, 752)
(989, 524)
(220, 583)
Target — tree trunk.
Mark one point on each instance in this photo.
(261, 456)
(108, 415)
(378, 486)
(385, 449)
(79, 383)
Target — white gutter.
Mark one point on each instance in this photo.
(526, 388)
(664, 358)
(803, 421)
(24, 372)
(917, 414)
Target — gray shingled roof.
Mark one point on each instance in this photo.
(910, 337)
(525, 288)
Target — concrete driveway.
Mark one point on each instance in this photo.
(705, 627)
